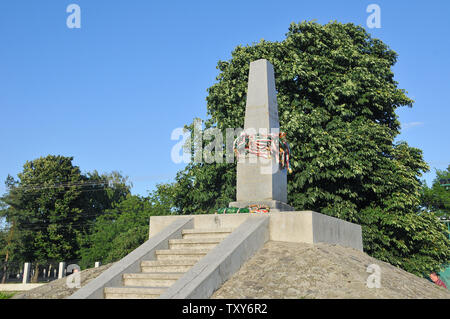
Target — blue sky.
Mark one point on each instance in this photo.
(110, 94)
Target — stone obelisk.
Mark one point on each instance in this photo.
(261, 181)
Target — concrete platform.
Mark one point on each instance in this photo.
(18, 287)
(293, 226)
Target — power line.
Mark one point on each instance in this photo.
(32, 187)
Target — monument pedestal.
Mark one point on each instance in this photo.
(274, 205)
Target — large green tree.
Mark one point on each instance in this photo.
(337, 99)
(52, 205)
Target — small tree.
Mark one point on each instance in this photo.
(437, 198)
(122, 229)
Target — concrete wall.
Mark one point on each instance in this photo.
(291, 227)
(332, 230)
(18, 287)
(157, 223)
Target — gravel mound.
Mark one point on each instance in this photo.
(58, 289)
(294, 270)
(298, 270)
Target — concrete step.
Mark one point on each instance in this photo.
(194, 243)
(206, 233)
(177, 254)
(151, 279)
(133, 292)
(180, 265)
(170, 264)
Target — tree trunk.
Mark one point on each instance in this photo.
(36, 274)
(5, 266)
(5, 269)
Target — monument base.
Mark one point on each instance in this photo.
(274, 205)
(295, 227)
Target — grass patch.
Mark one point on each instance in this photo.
(6, 295)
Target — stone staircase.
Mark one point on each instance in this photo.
(170, 264)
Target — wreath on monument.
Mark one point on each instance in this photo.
(264, 145)
(249, 209)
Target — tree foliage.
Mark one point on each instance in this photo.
(56, 213)
(121, 229)
(437, 198)
(336, 100)
(52, 205)
(202, 188)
